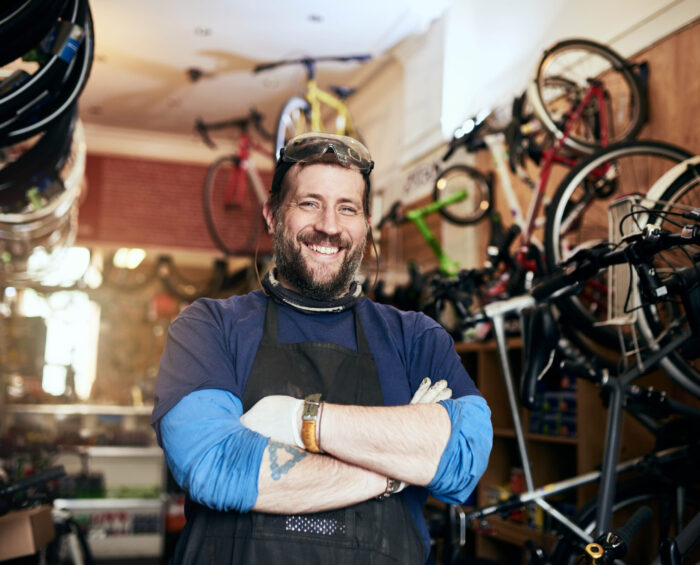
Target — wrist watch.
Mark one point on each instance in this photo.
(310, 423)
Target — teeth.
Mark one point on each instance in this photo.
(324, 250)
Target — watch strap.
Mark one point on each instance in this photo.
(310, 423)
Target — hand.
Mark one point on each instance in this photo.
(277, 417)
(431, 392)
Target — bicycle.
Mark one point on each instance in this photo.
(578, 103)
(576, 216)
(229, 208)
(447, 284)
(612, 545)
(661, 472)
(302, 114)
(68, 537)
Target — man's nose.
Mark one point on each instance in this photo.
(327, 221)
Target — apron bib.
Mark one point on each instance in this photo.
(369, 533)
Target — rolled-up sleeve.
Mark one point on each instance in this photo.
(466, 455)
(211, 455)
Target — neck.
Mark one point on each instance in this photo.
(279, 290)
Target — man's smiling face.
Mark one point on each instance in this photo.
(321, 236)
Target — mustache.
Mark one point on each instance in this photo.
(320, 238)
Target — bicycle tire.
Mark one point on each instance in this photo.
(294, 118)
(227, 226)
(578, 61)
(679, 187)
(28, 122)
(479, 199)
(629, 496)
(23, 27)
(574, 216)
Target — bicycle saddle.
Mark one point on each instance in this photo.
(540, 338)
(343, 92)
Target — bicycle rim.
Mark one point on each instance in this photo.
(234, 229)
(563, 77)
(577, 217)
(629, 497)
(657, 323)
(293, 120)
(479, 198)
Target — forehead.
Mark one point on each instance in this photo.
(328, 181)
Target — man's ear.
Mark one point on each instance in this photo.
(269, 218)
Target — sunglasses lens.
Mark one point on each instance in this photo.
(309, 147)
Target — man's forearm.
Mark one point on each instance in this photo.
(404, 442)
(293, 481)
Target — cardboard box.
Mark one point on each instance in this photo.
(24, 532)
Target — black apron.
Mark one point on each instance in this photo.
(369, 533)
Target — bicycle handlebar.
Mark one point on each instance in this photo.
(636, 249)
(254, 117)
(309, 61)
(42, 477)
(614, 545)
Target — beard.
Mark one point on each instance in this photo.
(297, 272)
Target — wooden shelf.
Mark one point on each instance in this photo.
(513, 532)
(488, 345)
(510, 433)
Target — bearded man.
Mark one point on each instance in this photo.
(306, 423)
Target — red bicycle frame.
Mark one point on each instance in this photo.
(554, 155)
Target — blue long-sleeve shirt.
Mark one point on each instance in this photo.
(208, 357)
(217, 460)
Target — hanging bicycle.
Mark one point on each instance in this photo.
(317, 109)
(234, 192)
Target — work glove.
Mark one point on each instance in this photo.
(431, 392)
(276, 417)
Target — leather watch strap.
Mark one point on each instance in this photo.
(310, 422)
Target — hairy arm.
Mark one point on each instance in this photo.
(293, 481)
(225, 466)
(404, 442)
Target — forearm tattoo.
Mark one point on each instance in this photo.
(278, 470)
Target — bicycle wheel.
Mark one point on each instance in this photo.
(577, 218)
(662, 500)
(563, 76)
(293, 120)
(233, 228)
(678, 191)
(479, 198)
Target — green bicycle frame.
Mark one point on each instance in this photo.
(447, 266)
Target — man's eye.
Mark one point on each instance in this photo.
(348, 210)
(307, 204)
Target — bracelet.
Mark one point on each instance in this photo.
(392, 485)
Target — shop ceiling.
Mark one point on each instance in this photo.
(160, 64)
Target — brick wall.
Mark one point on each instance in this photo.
(149, 203)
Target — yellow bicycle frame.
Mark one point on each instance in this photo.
(316, 97)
